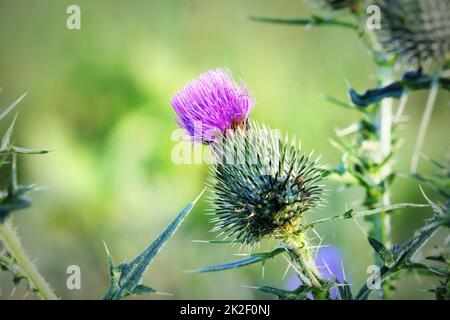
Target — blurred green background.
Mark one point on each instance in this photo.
(99, 97)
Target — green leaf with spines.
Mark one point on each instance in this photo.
(411, 81)
(299, 294)
(314, 20)
(6, 139)
(12, 199)
(403, 254)
(142, 290)
(15, 260)
(349, 214)
(345, 291)
(252, 259)
(9, 108)
(384, 253)
(126, 277)
(20, 150)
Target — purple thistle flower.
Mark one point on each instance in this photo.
(212, 104)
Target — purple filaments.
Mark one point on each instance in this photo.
(212, 104)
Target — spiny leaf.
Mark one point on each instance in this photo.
(230, 265)
(217, 241)
(351, 214)
(20, 150)
(345, 291)
(254, 258)
(341, 103)
(145, 258)
(18, 204)
(12, 199)
(394, 90)
(285, 294)
(142, 290)
(126, 277)
(6, 139)
(410, 80)
(403, 254)
(385, 255)
(439, 258)
(5, 111)
(348, 214)
(313, 21)
(443, 290)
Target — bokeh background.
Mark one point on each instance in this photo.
(99, 97)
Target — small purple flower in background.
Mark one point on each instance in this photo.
(332, 258)
(329, 261)
(212, 104)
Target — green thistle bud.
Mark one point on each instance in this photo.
(261, 184)
(418, 31)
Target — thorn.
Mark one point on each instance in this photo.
(4, 112)
(12, 292)
(294, 267)
(328, 269)
(286, 272)
(191, 271)
(349, 86)
(423, 193)
(250, 287)
(262, 271)
(198, 197)
(360, 227)
(344, 276)
(106, 248)
(164, 293)
(20, 98)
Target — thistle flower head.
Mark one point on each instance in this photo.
(261, 185)
(212, 104)
(418, 31)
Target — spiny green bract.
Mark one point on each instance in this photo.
(261, 184)
(418, 31)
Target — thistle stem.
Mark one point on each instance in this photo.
(381, 228)
(385, 150)
(12, 244)
(308, 269)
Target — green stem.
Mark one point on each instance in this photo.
(382, 222)
(13, 246)
(385, 150)
(383, 121)
(308, 272)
